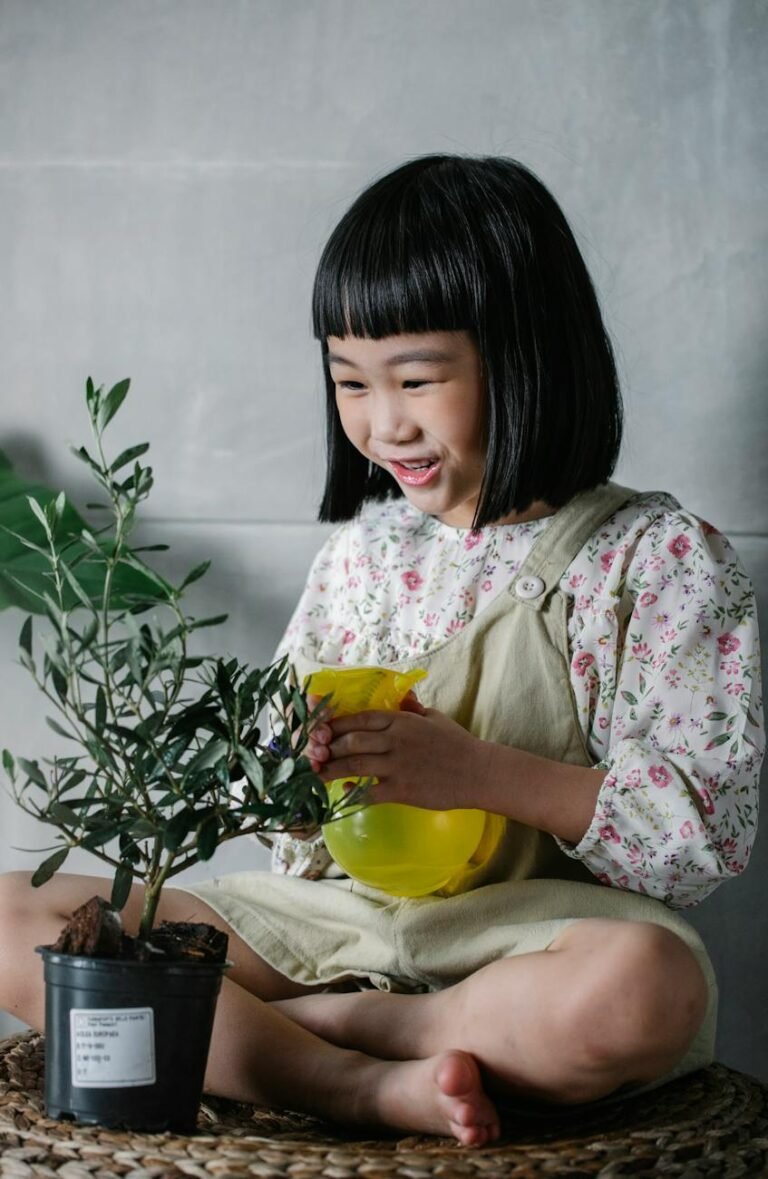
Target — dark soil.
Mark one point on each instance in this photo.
(95, 930)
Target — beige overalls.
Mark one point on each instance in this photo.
(504, 677)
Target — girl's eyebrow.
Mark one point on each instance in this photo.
(421, 355)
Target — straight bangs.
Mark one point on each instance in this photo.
(396, 264)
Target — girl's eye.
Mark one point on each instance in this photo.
(357, 386)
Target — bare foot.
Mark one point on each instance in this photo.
(440, 1095)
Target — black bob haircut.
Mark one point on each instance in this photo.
(477, 244)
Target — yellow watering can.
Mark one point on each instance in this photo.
(407, 851)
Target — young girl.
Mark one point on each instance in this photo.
(593, 679)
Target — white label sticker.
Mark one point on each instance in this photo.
(112, 1047)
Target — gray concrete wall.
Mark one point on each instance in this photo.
(168, 172)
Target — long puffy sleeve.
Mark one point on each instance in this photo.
(665, 668)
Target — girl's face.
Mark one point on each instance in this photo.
(414, 404)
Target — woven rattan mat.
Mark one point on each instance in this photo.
(713, 1123)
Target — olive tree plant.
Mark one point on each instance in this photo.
(156, 734)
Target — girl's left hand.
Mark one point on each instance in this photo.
(418, 755)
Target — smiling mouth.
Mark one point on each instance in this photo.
(415, 473)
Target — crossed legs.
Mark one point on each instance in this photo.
(258, 1054)
(608, 1002)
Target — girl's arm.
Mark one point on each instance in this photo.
(665, 669)
(677, 717)
(424, 758)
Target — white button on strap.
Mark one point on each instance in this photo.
(529, 587)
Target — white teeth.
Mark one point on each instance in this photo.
(418, 466)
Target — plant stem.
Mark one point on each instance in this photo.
(152, 889)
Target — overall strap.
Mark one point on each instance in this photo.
(559, 543)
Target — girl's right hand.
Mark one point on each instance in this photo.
(322, 734)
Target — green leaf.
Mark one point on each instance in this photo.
(112, 402)
(252, 768)
(81, 453)
(215, 620)
(105, 833)
(84, 804)
(130, 852)
(215, 749)
(59, 729)
(299, 705)
(719, 740)
(26, 543)
(716, 716)
(63, 815)
(100, 754)
(127, 456)
(33, 772)
(283, 773)
(121, 886)
(177, 830)
(9, 764)
(207, 837)
(90, 542)
(72, 780)
(146, 729)
(41, 515)
(28, 662)
(100, 710)
(195, 575)
(143, 829)
(48, 867)
(25, 637)
(75, 585)
(171, 755)
(86, 637)
(59, 683)
(224, 684)
(55, 614)
(167, 800)
(134, 665)
(25, 561)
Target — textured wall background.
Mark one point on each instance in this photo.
(168, 172)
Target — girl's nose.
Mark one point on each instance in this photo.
(390, 421)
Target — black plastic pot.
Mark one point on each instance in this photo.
(126, 1043)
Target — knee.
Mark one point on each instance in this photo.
(17, 929)
(23, 915)
(637, 1012)
(16, 897)
(21, 907)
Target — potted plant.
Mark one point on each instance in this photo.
(159, 734)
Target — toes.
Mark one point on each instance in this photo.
(457, 1075)
(464, 1115)
(472, 1136)
(467, 1136)
(472, 1116)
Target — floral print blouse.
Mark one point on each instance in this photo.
(665, 670)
